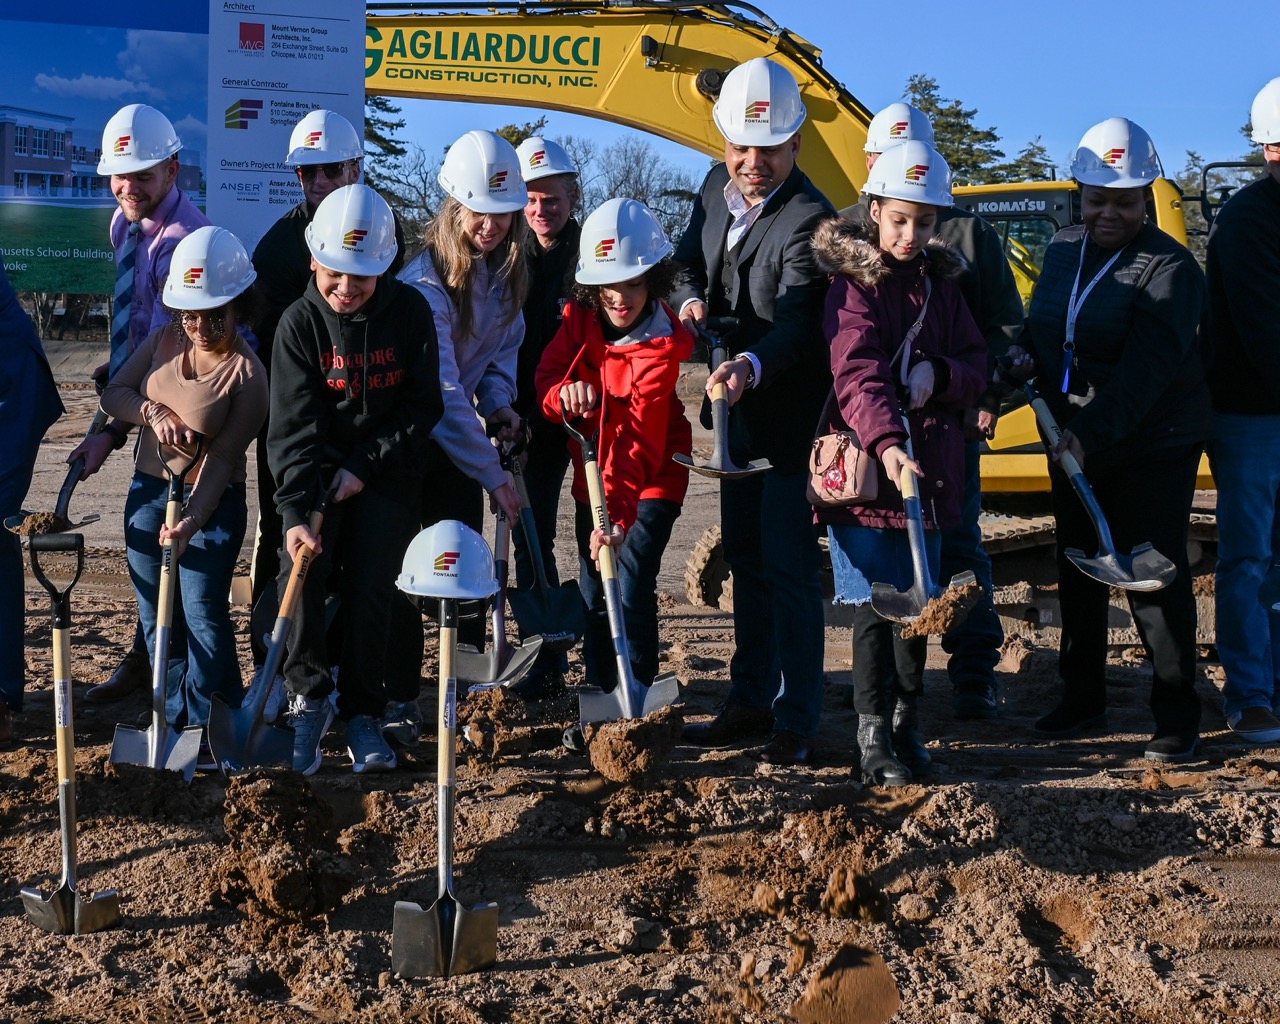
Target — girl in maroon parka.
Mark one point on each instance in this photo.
(883, 285)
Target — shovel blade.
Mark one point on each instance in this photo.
(240, 739)
(895, 605)
(1151, 568)
(100, 912)
(664, 691)
(443, 940)
(594, 705)
(484, 671)
(722, 467)
(64, 911)
(178, 751)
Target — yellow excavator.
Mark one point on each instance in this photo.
(657, 65)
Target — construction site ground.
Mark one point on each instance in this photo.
(1021, 882)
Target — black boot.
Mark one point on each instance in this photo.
(907, 744)
(878, 764)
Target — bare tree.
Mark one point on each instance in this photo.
(409, 184)
(631, 167)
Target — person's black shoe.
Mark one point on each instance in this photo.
(1173, 748)
(735, 723)
(132, 674)
(975, 701)
(538, 686)
(908, 747)
(876, 761)
(574, 740)
(1068, 720)
(785, 748)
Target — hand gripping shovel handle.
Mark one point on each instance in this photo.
(77, 467)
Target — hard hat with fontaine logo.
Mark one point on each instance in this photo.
(482, 171)
(1116, 153)
(759, 105)
(448, 560)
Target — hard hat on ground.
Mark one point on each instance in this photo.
(481, 171)
(898, 122)
(1264, 115)
(1116, 153)
(323, 137)
(759, 105)
(621, 240)
(135, 138)
(448, 560)
(541, 158)
(913, 171)
(353, 232)
(209, 268)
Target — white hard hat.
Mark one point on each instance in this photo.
(353, 232)
(1116, 153)
(323, 137)
(898, 122)
(759, 104)
(621, 240)
(209, 268)
(448, 560)
(1265, 114)
(481, 171)
(541, 158)
(136, 137)
(913, 171)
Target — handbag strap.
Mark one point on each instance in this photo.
(912, 332)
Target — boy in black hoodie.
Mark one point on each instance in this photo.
(355, 393)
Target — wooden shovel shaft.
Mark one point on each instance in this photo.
(446, 743)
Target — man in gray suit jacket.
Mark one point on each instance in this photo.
(746, 254)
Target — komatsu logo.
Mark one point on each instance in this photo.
(604, 247)
(918, 173)
(193, 275)
(1112, 157)
(446, 560)
(758, 111)
(1013, 206)
(353, 238)
(122, 145)
(497, 181)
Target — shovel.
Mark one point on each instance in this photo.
(160, 746)
(445, 939)
(238, 737)
(906, 606)
(721, 464)
(60, 523)
(1145, 568)
(630, 698)
(554, 613)
(66, 909)
(502, 664)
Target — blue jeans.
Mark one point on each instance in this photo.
(771, 546)
(974, 645)
(1245, 455)
(202, 646)
(637, 562)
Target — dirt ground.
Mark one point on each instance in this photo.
(1023, 881)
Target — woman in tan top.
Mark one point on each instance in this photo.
(195, 376)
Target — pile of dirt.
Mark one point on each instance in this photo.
(631, 751)
(282, 862)
(943, 613)
(42, 522)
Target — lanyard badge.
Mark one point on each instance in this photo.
(1074, 306)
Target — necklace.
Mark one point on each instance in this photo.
(195, 373)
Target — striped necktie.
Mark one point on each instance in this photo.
(123, 299)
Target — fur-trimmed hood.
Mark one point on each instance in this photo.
(841, 246)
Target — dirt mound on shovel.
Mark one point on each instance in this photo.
(42, 522)
(282, 862)
(944, 612)
(632, 750)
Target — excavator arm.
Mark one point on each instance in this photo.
(656, 66)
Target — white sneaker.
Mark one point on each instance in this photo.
(310, 718)
(368, 749)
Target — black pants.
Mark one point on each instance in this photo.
(447, 493)
(1146, 497)
(364, 540)
(883, 663)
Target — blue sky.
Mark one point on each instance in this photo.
(1184, 71)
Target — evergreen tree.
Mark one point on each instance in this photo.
(383, 150)
(970, 151)
(1032, 163)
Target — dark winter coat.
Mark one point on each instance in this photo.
(358, 391)
(873, 301)
(550, 279)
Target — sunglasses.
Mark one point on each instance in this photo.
(215, 323)
(331, 171)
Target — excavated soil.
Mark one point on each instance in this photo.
(943, 613)
(1022, 882)
(42, 522)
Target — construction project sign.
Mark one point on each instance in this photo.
(270, 64)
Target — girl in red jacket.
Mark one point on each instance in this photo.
(615, 362)
(907, 360)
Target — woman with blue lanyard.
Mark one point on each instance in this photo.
(1112, 336)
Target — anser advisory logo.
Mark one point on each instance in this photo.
(241, 112)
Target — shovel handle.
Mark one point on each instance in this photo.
(73, 474)
(1050, 426)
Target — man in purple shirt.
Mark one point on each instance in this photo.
(140, 153)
